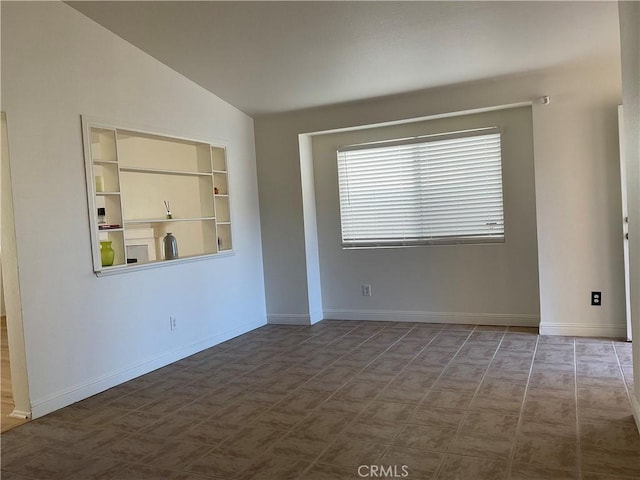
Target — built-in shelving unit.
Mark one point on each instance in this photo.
(133, 174)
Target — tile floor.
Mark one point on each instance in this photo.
(311, 403)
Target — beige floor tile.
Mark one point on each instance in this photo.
(518, 343)
(554, 451)
(552, 411)
(553, 380)
(612, 437)
(509, 361)
(321, 426)
(456, 384)
(292, 446)
(97, 469)
(208, 432)
(596, 402)
(456, 467)
(533, 426)
(448, 399)
(443, 400)
(358, 390)
(147, 472)
(480, 444)
(425, 438)
(490, 423)
(344, 406)
(534, 472)
(51, 463)
(221, 465)
(389, 411)
(419, 463)
(251, 440)
(437, 417)
(370, 430)
(131, 448)
(272, 468)
(330, 472)
(352, 453)
(610, 461)
(407, 394)
(301, 401)
(279, 419)
(512, 376)
(175, 455)
(600, 381)
(605, 476)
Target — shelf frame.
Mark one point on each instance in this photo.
(168, 220)
(160, 171)
(99, 127)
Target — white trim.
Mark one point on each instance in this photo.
(289, 319)
(608, 330)
(76, 393)
(509, 319)
(132, 267)
(20, 414)
(436, 116)
(635, 406)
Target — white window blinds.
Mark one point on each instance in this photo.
(438, 190)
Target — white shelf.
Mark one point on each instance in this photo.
(164, 172)
(168, 220)
(138, 171)
(105, 162)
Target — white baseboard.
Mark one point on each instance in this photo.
(66, 397)
(509, 319)
(606, 330)
(289, 319)
(20, 414)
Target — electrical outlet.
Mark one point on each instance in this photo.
(596, 298)
(173, 323)
(366, 290)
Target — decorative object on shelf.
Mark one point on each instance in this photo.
(101, 216)
(168, 209)
(99, 183)
(216, 191)
(170, 245)
(107, 253)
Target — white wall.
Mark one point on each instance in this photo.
(491, 283)
(576, 178)
(314, 279)
(82, 333)
(630, 47)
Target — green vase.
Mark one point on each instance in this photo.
(106, 253)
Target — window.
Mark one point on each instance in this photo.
(428, 190)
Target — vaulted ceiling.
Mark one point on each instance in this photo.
(266, 57)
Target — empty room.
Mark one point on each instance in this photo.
(320, 240)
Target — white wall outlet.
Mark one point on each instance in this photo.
(366, 290)
(173, 323)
